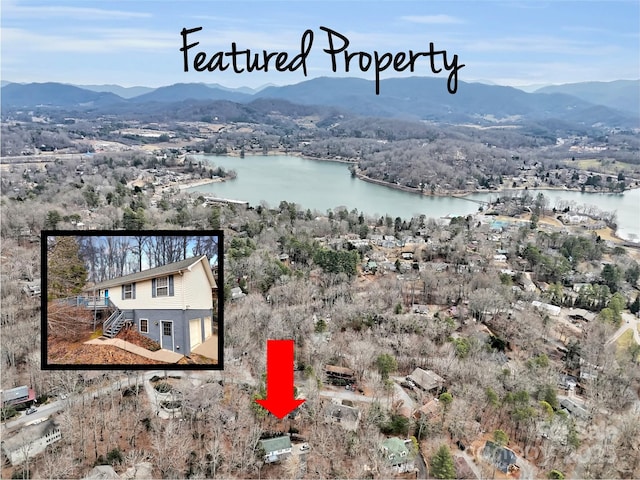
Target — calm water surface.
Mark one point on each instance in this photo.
(321, 186)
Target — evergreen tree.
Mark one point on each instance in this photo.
(66, 271)
(442, 464)
(52, 220)
(635, 306)
(386, 364)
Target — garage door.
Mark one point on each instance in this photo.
(207, 327)
(195, 333)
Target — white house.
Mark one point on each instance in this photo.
(30, 441)
(171, 304)
(276, 448)
(550, 309)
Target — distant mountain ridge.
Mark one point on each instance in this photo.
(621, 94)
(54, 95)
(412, 98)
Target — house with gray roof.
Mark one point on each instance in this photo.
(171, 304)
(346, 416)
(426, 380)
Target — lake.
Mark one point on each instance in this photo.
(320, 185)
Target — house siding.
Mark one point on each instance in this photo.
(198, 294)
(189, 297)
(144, 296)
(180, 319)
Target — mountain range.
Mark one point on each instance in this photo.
(614, 104)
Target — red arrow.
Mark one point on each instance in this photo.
(280, 400)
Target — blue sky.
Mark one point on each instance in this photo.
(137, 42)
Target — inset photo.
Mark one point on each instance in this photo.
(131, 301)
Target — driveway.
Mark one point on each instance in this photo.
(208, 348)
(629, 320)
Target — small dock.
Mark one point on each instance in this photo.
(210, 200)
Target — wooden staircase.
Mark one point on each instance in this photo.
(118, 319)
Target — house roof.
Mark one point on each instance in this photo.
(500, 457)
(15, 393)
(167, 269)
(426, 379)
(18, 395)
(102, 472)
(429, 409)
(396, 451)
(343, 413)
(338, 370)
(271, 445)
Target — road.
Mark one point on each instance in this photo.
(398, 394)
(51, 408)
(629, 320)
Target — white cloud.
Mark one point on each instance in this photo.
(541, 44)
(432, 19)
(81, 13)
(18, 40)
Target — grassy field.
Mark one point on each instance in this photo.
(608, 166)
(625, 343)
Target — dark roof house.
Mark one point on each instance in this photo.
(347, 417)
(500, 457)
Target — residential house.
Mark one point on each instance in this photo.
(574, 409)
(171, 304)
(426, 380)
(581, 314)
(346, 416)
(276, 449)
(546, 307)
(339, 375)
(399, 453)
(429, 410)
(371, 267)
(17, 396)
(31, 289)
(30, 441)
(237, 293)
(502, 458)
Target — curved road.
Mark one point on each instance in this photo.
(629, 320)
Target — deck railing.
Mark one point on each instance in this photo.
(87, 301)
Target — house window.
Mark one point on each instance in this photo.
(166, 329)
(128, 291)
(162, 287)
(144, 325)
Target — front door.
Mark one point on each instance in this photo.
(166, 335)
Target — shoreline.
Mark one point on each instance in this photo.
(449, 193)
(198, 183)
(461, 194)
